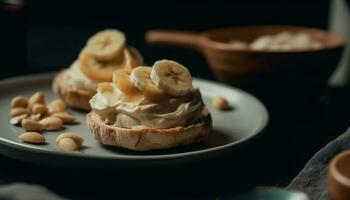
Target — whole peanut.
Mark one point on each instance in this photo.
(57, 105)
(221, 103)
(18, 119)
(51, 123)
(32, 137)
(39, 109)
(38, 98)
(19, 101)
(68, 144)
(66, 117)
(77, 138)
(35, 117)
(31, 125)
(18, 111)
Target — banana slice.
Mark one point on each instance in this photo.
(133, 58)
(105, 87)
(106, 45)
(102, 71)
(136, 57)
(140, 77)
(171, 77)
(122, 80)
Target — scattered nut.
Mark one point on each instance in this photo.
(29, 114)
(66, 117)
(35, 117)
(37, 97)
(39, 109)
(31, 125)
(77, 138)
(19, 101)
(205, 111)
(18, 111)
(51, 123)
(67, 144)
(57, 105)
(32, 137)
(18, 119)
(221, 103)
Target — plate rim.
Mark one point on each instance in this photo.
(229, 146)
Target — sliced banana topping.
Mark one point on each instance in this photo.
(171, 77)
(103, 70)
(165, 80)
(140, 77)
(105, 52)
(136, 58)
(105, 87)
(122, 80)
(106, 45)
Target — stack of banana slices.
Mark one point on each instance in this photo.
(166, 79)
(105, 52)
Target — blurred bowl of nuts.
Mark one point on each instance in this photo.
(263, 59)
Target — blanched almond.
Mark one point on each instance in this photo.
(205, 111)
(18, 119)
(67, 144)
(39, 109)
(35, 117)
(57, 105)
(19, 101)
(38, 98)
(66, 117)
(221, 103)
(18, 111)
(31, 125)
(77, 138)
(51, 123)
(32, 137)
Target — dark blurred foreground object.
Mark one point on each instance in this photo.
(339, 24)
(24, 191)
(339, 176)
(12, 38)
(290, 73)
(269, 194)
(313, 178)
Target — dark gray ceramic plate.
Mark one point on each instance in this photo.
(231, 128)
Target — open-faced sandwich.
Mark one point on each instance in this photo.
(149, 108)
(104, 52)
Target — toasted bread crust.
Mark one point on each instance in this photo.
(74, 97)
(145, 139)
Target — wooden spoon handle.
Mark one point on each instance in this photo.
(184, 39)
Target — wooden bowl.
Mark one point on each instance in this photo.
(339, 177)
(259, 70)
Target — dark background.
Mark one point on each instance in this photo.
(47, 36)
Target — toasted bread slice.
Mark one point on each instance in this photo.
(144, 139)
(74, 97)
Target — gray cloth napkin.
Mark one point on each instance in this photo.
(313, 178)
(24, 191)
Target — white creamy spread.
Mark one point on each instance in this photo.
(75, 78)
(113, 108)
(285, 41)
